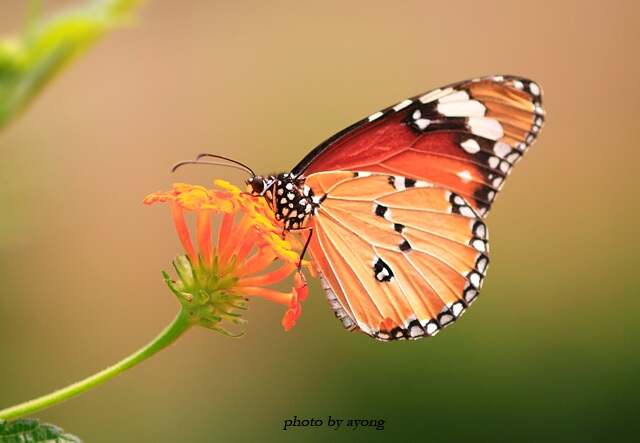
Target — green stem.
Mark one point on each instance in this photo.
(174, 331)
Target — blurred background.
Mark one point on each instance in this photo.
(549, 352)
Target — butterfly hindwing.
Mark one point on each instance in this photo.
(464, 137)
(399, 258)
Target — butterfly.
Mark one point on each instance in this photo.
(394, 205)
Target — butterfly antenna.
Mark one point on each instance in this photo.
(231, 163)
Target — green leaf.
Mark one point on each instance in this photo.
(29, 61)
(29, 430)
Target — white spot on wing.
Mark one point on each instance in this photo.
(459, 96)
(474, 278)
(482, 264)
(398, 183)
(501, 149)
(486, 127)
(465, 176)
(467, 212)
(422, 184)
(435, 95)
(422, 123)
(445, 319)
(513, 157)
(534, 88)
(431, 328)
(382, 274)
(402, 105)
(470, 295)
(375, 116)
(481, 230)
(479, 245)
(471, 146)
(469, 108)
(416, 331)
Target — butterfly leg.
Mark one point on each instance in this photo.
(304, 249)
(306, 243)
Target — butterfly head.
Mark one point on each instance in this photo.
(288, 197)
(256, 185)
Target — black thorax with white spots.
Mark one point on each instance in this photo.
(291, 201)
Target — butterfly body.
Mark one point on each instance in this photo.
(292, 202)
(395, 204)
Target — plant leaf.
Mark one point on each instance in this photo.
(29, 61)
(29, 430)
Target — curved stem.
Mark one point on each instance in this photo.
(178, 326)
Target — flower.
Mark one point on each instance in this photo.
(216, 281)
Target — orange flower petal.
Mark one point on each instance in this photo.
(267, 294)
(203, 235)
(226, 226)
(154, 198)
(292, 313)
(301, 288)
(240, 233)
(183, 233)
(270, 278)
(255, 264)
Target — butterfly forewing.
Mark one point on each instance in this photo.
(400, 258)
(464, 137)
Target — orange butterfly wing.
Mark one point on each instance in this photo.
(399, 259)
(465, 137)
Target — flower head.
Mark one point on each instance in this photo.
(214, 281)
